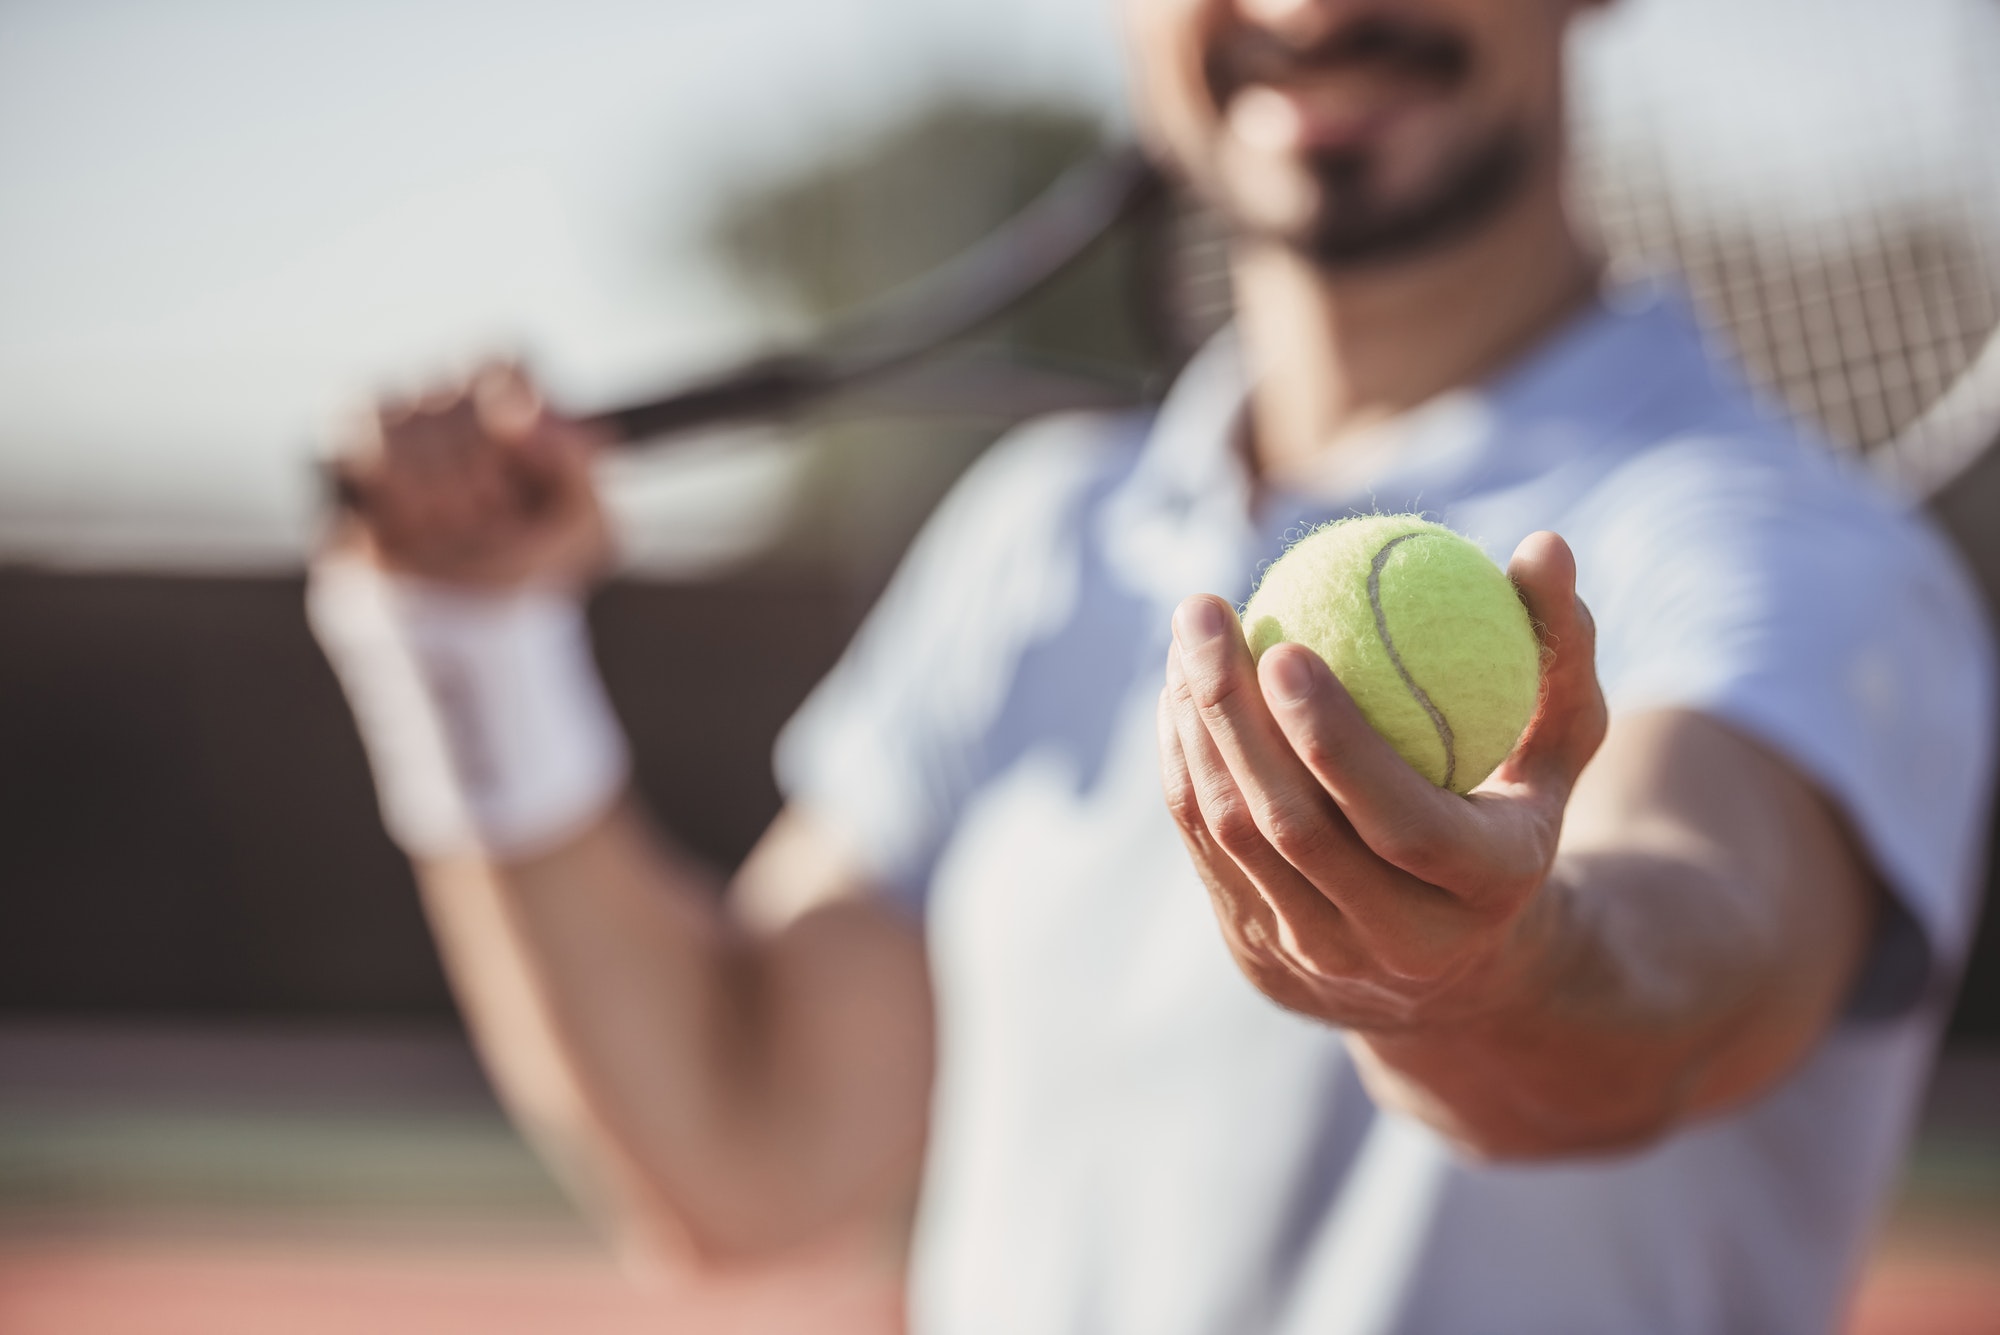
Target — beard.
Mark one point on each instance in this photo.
(1352, 227)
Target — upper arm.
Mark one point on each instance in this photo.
(843, 985)
(1768, 593)
(1762, 896)
(894, 739)
(874, 767)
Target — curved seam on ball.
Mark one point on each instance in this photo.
(1382, 630)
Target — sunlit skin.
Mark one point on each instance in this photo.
(1639, 920)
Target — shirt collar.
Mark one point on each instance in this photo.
(1634, 345)
(1186, 510)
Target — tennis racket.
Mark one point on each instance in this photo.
(1825, 177)
(1064, 224)
(1859, 282)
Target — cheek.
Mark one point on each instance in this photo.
(1422, 147)
(1523, 62)
(1167, 42)
(1525, 94)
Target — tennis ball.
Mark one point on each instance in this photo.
(1424, 631)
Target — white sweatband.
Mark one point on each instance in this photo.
(484, 718)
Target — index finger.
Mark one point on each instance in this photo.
(1500, 837)
(1296, 811)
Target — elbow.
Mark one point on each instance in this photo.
(711, 1253)
(708, 1244)
(1521, 1125)
(726, 1241)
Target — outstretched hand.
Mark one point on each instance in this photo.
(1347, 886)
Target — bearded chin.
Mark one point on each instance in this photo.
(1352, 228)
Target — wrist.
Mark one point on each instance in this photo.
(486, 724)
(1512, 1062)
(1503, 983)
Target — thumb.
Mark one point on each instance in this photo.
(1569, 721)
(508, 403)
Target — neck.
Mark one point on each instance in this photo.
(1336, 353)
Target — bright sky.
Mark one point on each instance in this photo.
(223, 217)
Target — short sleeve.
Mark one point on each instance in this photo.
(1780, 594)
(890, 743)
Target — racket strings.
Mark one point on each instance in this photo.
(1859, 316)
(1862, 317)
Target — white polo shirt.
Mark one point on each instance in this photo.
(1130, 1140)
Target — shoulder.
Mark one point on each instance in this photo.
(995, 559)
(1757, 523)
(1041, 471)
(1751, 579)
(886, 744)
(1007, 535)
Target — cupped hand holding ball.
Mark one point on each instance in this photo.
(1375, 835)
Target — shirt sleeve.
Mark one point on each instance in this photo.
(890, 743)
(1783, 596)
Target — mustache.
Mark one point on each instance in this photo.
(1252, 55)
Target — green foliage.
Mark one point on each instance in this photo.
(878, 213)
(881, 212)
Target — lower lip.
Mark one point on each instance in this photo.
(1275, 120)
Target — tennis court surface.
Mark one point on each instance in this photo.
(250, 1181)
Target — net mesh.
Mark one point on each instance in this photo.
(1868, 309)
(1860, 321)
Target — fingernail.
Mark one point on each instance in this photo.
(1198, 621)
(1291, 678)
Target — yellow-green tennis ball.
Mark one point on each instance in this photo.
(1424, 631)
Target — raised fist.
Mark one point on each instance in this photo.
(477, 484)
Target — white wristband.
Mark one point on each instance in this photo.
(484, 718)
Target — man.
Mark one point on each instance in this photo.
(1628, 1040)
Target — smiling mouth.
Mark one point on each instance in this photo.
(1379, 49)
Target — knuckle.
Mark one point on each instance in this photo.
(1401, 842)
(1212, 688)
(445, 397)
(1274, 978)
(1318, 951)
(1183, 806)
(1301, 835)
(357, 436)
(1586, 623)
(1315, 751)
(1420, 963)
(1429, 862)
(1230, 821)
(1209, 680)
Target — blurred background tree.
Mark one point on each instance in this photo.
(851, 228)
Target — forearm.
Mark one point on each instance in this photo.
(731, 1088)
(580, 973)
(648, 1042)
(743, 1087)
(1659, 976)
(1632, 922)
(1598, 1029)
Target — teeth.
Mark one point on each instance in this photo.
(1266, 119)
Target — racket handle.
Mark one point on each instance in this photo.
(1027, 252)
(773, 387)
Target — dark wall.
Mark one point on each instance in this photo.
(186, 819)
(1969, 510)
